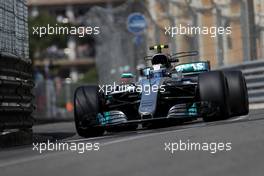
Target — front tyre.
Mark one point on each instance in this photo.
(213, 89)
(238, 94)
(87, 103)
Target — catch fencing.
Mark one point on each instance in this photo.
(16, 80)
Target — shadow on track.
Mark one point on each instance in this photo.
(25, 138)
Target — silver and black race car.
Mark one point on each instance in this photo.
(168, 93)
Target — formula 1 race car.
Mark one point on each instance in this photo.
(167, 93)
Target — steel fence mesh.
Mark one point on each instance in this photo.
(16, 79)
(13, 28)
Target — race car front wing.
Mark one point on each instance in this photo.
(180, 111)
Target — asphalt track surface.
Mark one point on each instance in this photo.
(143, 152)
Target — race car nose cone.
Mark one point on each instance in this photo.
(146, 116)
(147, 107)
(148, 102)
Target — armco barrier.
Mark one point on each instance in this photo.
(254, 75)
(16, 83)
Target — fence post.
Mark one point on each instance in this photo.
(248, 30)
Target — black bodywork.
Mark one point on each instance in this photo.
(165, 93)
(178, 100)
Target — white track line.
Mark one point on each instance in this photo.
(237, 118)
(88, 139)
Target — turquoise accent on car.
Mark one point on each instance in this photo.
(104, 118)
(127, 75)
(193, 67)
(192, 111)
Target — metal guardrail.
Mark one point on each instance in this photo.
(254, 75)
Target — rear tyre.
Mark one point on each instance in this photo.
(87, 102)
(213, 89)
(238, 94)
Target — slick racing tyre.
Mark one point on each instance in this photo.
(87, 102)
(238, 94)
(213, 89)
